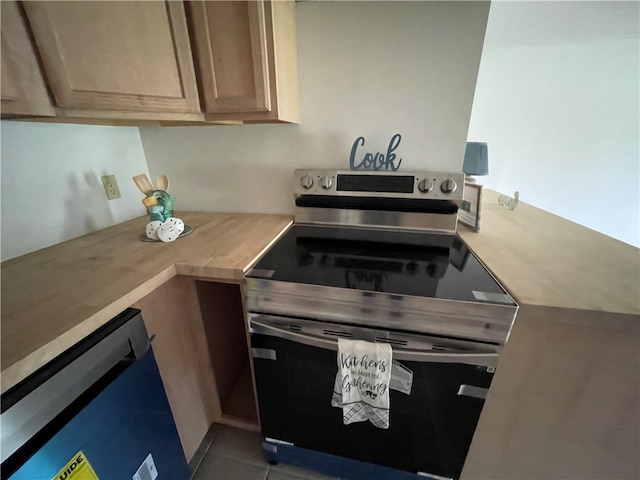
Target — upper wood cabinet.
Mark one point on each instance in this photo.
(102, 57)
(231, 52)
(246, 58)
(166, 61)
(23, 89)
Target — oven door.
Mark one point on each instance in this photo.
(430, 427)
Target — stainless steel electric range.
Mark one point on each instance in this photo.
(375, 256)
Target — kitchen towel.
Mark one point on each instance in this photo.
(361, 388)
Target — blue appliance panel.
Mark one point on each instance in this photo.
(116, 430)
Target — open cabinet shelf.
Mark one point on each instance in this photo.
(224, 325)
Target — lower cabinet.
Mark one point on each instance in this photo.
(223, 320)
(200, 344)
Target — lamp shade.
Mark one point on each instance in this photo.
(476, 159)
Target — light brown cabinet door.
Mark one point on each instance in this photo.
(231, 50)
(129, 56)
(246, 58)
(23, 89)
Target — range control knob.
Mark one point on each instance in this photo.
(431, 270)
(306, 182)
(326, 183)
(425, 186)
(412, 268)
(448, 186)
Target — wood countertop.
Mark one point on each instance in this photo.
(564, 401)
(572, 355)
(54, 297)
(546, 260)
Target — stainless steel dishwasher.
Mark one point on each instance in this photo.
(98, 410)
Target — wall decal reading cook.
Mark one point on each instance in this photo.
(378, 161)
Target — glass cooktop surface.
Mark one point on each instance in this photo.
(399, 263)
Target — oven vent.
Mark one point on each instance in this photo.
(337, 333)
(392, 341)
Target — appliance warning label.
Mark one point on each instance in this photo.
(401, 378)
(78, 468)
(146, 471)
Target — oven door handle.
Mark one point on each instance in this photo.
(483, 358)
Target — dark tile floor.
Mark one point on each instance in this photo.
(229, 453)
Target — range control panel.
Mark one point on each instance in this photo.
(434, 185)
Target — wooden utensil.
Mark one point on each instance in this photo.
(143, 183)
(162, 182)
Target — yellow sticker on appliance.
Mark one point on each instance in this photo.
(78, 468)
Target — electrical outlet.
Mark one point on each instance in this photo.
(111, 187)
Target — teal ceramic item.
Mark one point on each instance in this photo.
(164, 209)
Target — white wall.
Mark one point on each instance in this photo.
(51, 182)
(558, 103)
(365, 68)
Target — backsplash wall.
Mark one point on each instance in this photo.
(372, 69)
(365, 68)
(51, 181)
